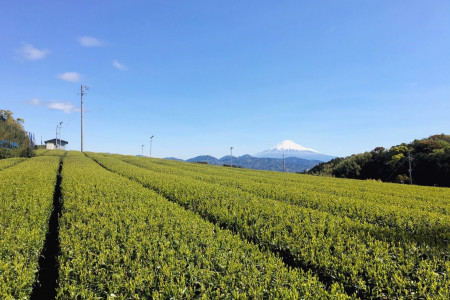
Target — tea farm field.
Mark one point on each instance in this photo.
(102, 226)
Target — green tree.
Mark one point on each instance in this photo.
(348, 168)
(12, 131)
(431, 163)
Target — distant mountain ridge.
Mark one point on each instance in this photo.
(292, 164)
(290, 149)
(296, 158)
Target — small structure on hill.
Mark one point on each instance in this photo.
(56, 144)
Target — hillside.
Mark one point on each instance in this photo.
(297, 158)
(292, 164)
(430, 163)
(14, 140)
(130, 227)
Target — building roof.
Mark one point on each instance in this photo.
(60, 142)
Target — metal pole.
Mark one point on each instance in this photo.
(82, 118)
(60, 128)
(231, 157)
(410, 168)
(151, 142)
(58, 145)
(83, 92)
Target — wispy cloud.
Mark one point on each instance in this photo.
(29, 52)
(35, 102)
(89, 41)
(70, 76)
(119, 66)
(66, 107)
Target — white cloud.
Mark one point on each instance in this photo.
(119, 66)
(89, 41)
(70, 76)
(66, 107)
(34, 102)
(29, 52)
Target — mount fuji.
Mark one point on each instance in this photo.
(291, 149)
(297, 159)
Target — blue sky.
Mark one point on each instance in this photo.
(341, 77)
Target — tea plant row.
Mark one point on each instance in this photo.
(350, 252)
(25, 207)
(121, 240)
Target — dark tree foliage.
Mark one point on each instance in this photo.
(13, 133)
(430, 164)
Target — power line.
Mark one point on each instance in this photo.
(401, 165)
(393, 173)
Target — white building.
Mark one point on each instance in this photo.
(50, 144)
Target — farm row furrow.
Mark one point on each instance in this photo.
(121, 240)
(335, 247)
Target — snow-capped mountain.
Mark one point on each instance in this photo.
(291, 164)
(291, 149)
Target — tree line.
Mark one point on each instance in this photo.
(430, 163)
(14, 140)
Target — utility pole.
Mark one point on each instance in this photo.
(58, 132)
(142, 150)
(231, 157)
(56, 139)
(83, 92)
(284, 164)
(410, 167)
(151, 142)
(60, 126)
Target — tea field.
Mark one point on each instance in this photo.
(103, 226)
